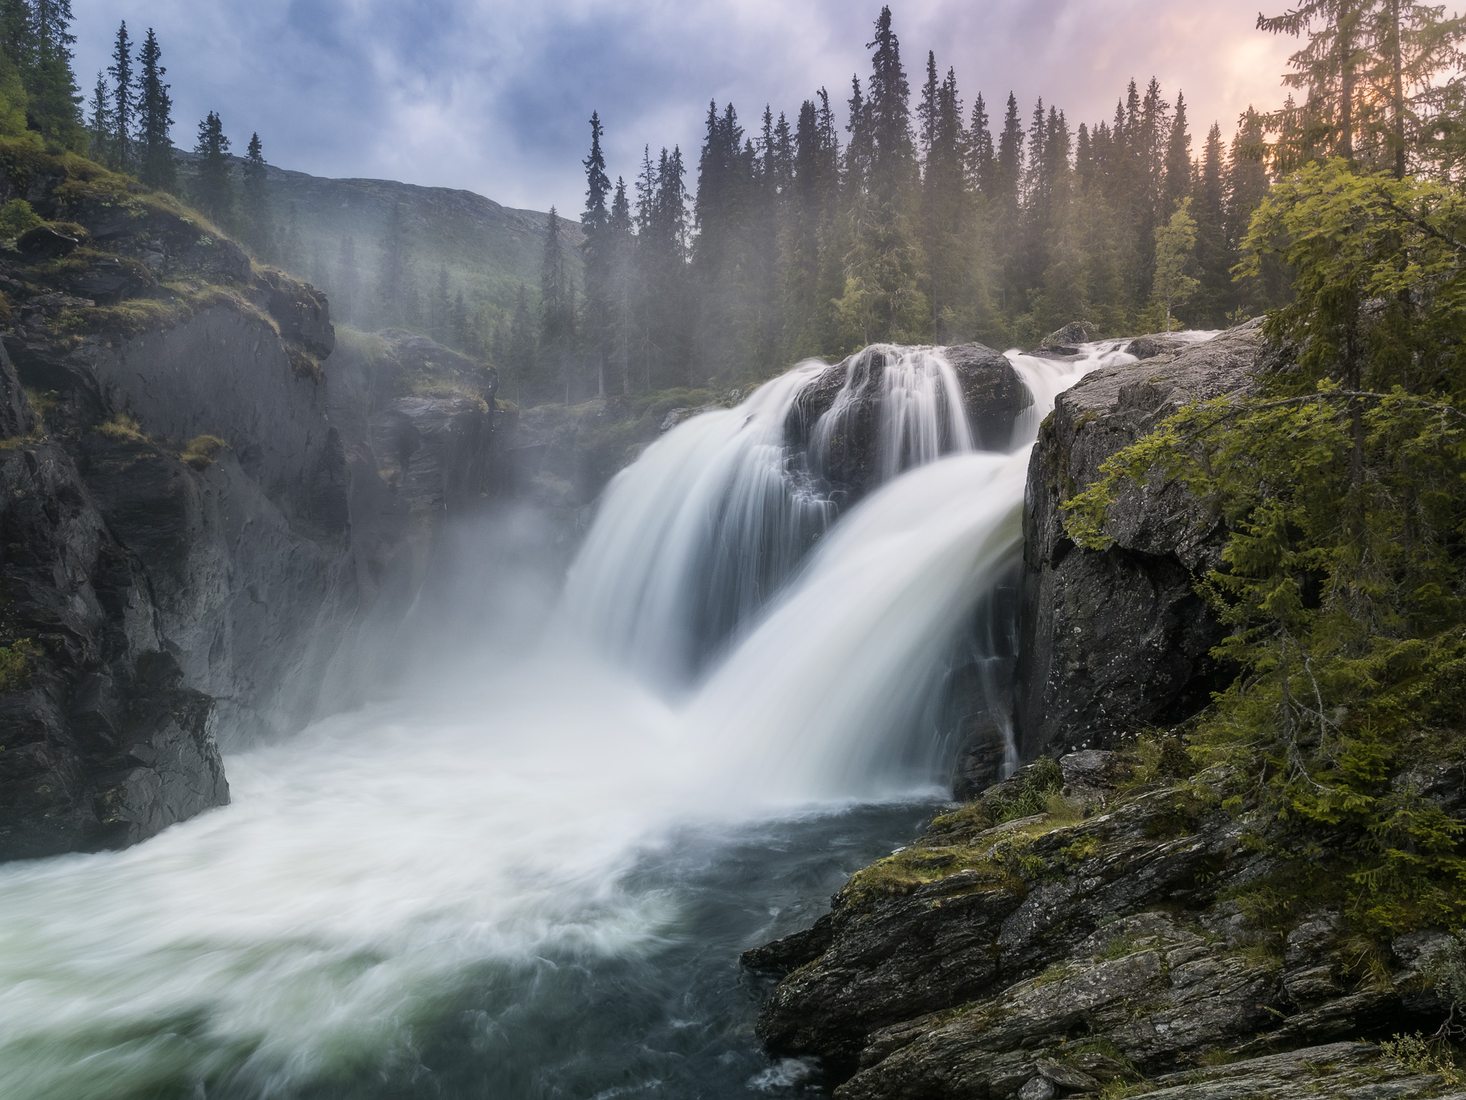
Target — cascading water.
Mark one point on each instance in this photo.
(700, 533)
(533, 880)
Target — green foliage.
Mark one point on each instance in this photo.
(16, 216)
(16, 662)
(1415, 1053)
(1175, 246)
(1343, 575)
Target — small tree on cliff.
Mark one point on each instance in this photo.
(255, 199)
(214, 185)
(155, 118)
(123, 99)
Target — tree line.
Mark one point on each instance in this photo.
(913, 222)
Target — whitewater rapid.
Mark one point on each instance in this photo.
(505, 827)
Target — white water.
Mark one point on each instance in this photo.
(368, 870)
(700, 533)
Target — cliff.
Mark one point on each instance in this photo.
(204, 498)
(1113, 922)
(1114, 642)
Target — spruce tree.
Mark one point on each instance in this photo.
(1214, 260)
(123, 99)
(214, 180)
(1178, 159)
(53, 98)
(596, 248)
(254, 199)
(99, 121)
(624, 277)
(982, 159)
(882, 299)
(1175, 246)
(154, 118)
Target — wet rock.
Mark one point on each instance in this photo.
(1117, 640)
(1063, 341)
(992, 394)
(101, 745)
(1156, 345)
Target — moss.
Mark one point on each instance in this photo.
(133, 317)
(16, 217)
(202, 450)
(17, 661)
(124, 428)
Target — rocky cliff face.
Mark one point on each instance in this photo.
(1116, 641)
(203, 499)
(1086, 930)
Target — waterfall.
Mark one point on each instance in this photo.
(819, 665)
(427, 896)
(708, 525)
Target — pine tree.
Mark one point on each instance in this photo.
(882, 298)
(255, 199)
(1175, 247)
(982, 160)
(624, 279)
(1178, 159)
(597, 248)
(214, 181)
(54, 100)
(99, 121)
(123, 99)
(1214, 260)
(154, 118)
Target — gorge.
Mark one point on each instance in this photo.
(366, 864)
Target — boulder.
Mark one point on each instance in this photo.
(1064, 340)
(45, 243)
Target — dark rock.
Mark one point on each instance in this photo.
(100, 744)
(1114, 641)
(1156, 345)
(45, 243)
(108, 281)
(1048, 956)
(992, 393)
(301, 312)
(1064, 339)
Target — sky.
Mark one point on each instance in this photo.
(494, 95)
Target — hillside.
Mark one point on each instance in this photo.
(487, 250)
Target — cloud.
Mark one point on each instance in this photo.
(495, 96)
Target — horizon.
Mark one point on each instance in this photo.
(505, 130)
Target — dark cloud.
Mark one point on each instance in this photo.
(494, 96)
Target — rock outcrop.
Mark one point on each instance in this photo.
(203, 498)
(1114, 641)
(992, 393)
(1081, 931)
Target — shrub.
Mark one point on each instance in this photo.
(16, 216)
